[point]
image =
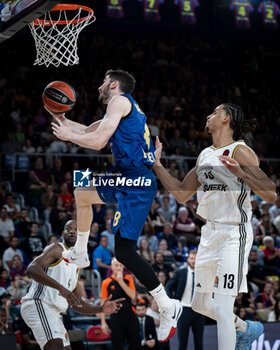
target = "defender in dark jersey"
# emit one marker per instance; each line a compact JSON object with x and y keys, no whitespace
{"x":130,"y":183}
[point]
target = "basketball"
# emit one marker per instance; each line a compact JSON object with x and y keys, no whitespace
{"x":59,"y":97}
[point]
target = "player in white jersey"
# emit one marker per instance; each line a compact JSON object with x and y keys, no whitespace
{"x":54,"y":287}
{"x":224,"y":175}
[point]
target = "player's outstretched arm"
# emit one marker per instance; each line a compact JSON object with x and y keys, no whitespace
{"x":182,"y":191}
{"x":118,"y":107}
{"x":108,"y":307}
{"x":36,"y":270}
{"x":245,"y":165}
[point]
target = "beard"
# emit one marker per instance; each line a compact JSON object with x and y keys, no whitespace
{"x":105,"y":96}
{"x":207,"y":129}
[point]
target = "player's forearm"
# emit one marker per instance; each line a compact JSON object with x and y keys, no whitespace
{"x":36,"y":272}
{"x":263,"y":188}
{"x":77,"y":127}
{"x":88,"y":309}
{"x":91,"y":140}
{"x":170,"y":183}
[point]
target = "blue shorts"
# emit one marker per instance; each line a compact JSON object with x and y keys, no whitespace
{"x":134,"y":192}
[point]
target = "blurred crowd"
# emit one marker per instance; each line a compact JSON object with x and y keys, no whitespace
{"x":187,"y":79}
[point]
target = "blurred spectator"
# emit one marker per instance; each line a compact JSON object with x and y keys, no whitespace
{"x":69,"y":180}
{"x":184,"y":226}
{"x":111,"y":237}
{"x":159,"y":265}
{"x":99,"y":214}
{"x":34,"y":244}
{"x":266,"y":299}
{"x":178,"y":142}
{"x":256,"y":273}
{"x":18,"y":268}
{"x":173,"y":169}
{"x":274,"y":315}
{"x":272,"y":254}
{"x":34,"y":189}
{"x":167,"y":254}
{"x":39,"y":170}
{"x":148,"y":233}
{"x":181,"y":253}
{"x":162,"y":278}
{"x":165,"y":213}
{"x":48,"y":201}
{"x":145,"y":251}
{"x":102,"y":257}
{"x":172,"y":200}
{"x":93,"y":239}
{"x":22,"y":224}
{"x":58,"y":216}
{"x":247,"y":301}
{"x":4,"y":279}
{"x":148,"y":335}
{"x":274,"y":210}
{"x":52,"y":239}
{"x":169,"y":236}
{"x":18,"y":135}
{"x":12,"y":208}
{"x":266,"y":228}
{"x":65,"y":195}
{"x":153,"y":217}
{"x":28,"y":148}
{"x":18,"y":288}
{"x":57,"y":173}
{"x":7,"y":228}
{"x":6,"y":326}
{"x":10,"y":252}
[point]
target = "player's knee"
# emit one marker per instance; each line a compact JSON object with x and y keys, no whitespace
{"x":54,"y":344}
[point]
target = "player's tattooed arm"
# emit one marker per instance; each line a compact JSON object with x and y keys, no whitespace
{"x":245,"y":165}
{"x":182,"y":191}
{"x":36,"y":270}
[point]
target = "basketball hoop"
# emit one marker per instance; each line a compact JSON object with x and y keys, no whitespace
{"x":56,"y":35}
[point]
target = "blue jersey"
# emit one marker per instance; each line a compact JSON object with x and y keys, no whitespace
{"x":131,"y":143}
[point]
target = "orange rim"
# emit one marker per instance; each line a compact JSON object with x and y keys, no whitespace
{"x":63,"y":7}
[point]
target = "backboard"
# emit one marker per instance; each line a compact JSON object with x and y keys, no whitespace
{"x":24,"y":12}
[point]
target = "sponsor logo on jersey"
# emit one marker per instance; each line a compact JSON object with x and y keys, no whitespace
{"x":215,"y":187}
{"x":216,"y":282}
{"x":226,"y":152}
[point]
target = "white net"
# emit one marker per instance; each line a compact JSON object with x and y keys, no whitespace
{"x":56,"y":39}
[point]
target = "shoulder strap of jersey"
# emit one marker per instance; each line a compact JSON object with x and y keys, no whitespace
{"x":131,"y":100}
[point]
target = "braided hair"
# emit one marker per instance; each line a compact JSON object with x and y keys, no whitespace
{"x":238,"y":123}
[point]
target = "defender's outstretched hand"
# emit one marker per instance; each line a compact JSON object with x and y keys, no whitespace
{"x":110,"y":307}
{"x":158,"y":151}
{"x":61,"y":131}
{"x":232,"y":165}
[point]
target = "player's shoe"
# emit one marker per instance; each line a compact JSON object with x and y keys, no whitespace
{"x":245,"y":340}
{"x":168,"y":321}
{"x":81,"y":259}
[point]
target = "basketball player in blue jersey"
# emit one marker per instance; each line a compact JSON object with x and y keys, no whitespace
{"x":223,"y":178}
{"x":124,"y":128}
